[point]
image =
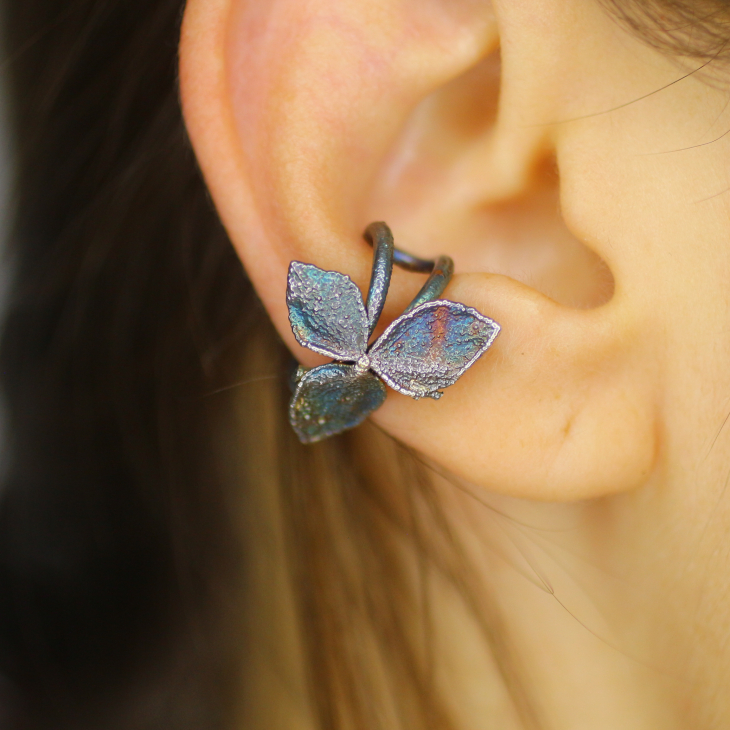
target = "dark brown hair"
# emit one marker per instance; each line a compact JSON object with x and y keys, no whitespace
{"x":124,"y":538}
{"x":689,"y":28}
{"x":126,"y":303}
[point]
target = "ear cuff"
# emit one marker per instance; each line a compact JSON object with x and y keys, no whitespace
{"x":428,"y":348}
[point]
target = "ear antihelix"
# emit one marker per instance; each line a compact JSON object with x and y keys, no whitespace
{"x":425,"y":350}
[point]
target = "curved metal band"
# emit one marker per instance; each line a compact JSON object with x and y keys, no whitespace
{"x":434,"y":287}
{"x":380,"y":237}
{"x":412,"y":263}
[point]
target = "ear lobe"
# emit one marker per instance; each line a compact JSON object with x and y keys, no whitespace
{"x":311,"y":118}
{"x":564,"y":406}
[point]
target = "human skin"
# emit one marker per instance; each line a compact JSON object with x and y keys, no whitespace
{"x":594,"y":230}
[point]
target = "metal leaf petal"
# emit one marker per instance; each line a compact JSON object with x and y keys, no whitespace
{"x":431,"y":347}
{"x":326,"y":312}
{"x":333,"y":398}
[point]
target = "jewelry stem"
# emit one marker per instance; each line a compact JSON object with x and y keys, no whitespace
{"x":378,"y":235}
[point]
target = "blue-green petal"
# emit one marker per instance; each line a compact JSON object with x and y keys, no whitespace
{"x":333,"y":398}
{"x":326,"y":312}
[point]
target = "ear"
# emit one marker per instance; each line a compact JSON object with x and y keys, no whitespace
{"x":312,"y":117}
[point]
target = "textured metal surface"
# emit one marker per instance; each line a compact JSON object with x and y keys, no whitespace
{"x":326,"y":312}
{"x":378,"y":235}
{"x":407,"y":262}
{"x":431,"y":347}
{"x":333,"y":398}
{"x":426,"y":349}
{"x":439,"y":279}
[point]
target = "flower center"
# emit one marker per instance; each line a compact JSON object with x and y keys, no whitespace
{"x":362,"y":364}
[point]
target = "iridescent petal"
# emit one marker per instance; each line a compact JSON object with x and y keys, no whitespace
{"x":431,"y":347}
{"x":326,"y":312}
{"x":333,"y":398}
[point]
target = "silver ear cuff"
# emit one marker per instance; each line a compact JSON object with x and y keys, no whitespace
{"x":428,"y":348}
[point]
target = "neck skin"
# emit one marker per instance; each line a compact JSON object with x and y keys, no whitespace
{"x":617,"y":609}
{"x":613,"y":612}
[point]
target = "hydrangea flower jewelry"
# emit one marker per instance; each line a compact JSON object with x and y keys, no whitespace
{"x":427,"y":348}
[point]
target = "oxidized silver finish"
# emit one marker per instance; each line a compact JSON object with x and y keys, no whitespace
{"x":333,"y":398}
{"x":440,"y":277}
{"x":431,"y":347}
{"x":326,"y":312}
{"x":426,"y":349}
{"x":381,"y":239}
